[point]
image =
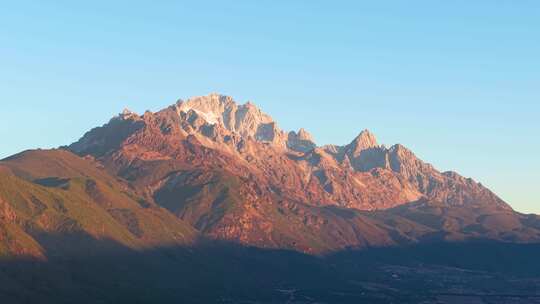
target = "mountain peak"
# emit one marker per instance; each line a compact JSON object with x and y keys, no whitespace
{"x":247,"y":120}
{"x":363,"y":141}
{"x":366,"y":138}
{"x":127,"y":114}
{"x":304,"y":135}
{"x":300,"y":141}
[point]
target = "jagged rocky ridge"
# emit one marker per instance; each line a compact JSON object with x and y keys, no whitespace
{"x":233,"y":174}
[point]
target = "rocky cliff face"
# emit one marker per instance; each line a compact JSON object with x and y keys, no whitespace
{"x":246,"y":120}
{"x":300,"y":141}
{"x":233,"y":174}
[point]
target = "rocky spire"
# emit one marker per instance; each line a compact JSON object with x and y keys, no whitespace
{"x":301,"y":141}
{"x":304,"y":135}
{"x":363,"y":141}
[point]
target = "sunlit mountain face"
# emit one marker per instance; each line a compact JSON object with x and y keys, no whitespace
{"x":210,"y":201}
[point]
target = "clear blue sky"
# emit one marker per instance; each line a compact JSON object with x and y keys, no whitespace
{"x":456,"y":81}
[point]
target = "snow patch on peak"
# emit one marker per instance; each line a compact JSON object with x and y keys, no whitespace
{"x":210,"y":117}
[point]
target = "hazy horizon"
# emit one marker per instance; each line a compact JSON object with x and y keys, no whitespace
{"x":460,"y":88}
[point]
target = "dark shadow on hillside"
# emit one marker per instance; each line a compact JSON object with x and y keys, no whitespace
{"x":103,"y":271}
{"x":53,"y":182}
